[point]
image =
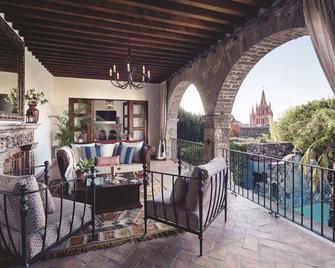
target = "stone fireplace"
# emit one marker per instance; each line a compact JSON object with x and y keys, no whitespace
{"x":17,"y":148}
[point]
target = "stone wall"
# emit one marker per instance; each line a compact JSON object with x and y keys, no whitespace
{"x":219,"y":72}
{"x":253,"y":132}
{"x":277,"y":149}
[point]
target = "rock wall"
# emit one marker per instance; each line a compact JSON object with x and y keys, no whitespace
{"x":253,"y":132}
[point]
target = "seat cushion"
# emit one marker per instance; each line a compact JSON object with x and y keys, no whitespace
{"x":203,"y":172}
{"x":174,"y":214}
{"x":35,"y":213}
{"x":47,"y":202}
{"x":179,"y":190}
{"x":35,"y":239}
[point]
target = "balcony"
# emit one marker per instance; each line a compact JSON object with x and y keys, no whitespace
{"x":251,"y":237}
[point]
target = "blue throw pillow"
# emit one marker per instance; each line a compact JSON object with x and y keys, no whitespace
{"x":89,"y":152}
{"x":126,"y":154}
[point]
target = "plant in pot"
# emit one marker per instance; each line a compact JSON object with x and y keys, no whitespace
{"x":84,"y":167}
{"x":33,"y":98}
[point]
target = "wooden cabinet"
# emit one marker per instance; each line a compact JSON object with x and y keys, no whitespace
{"x":82,"y":113}
{"x":135,"y":121}
{"x":131,"y":124}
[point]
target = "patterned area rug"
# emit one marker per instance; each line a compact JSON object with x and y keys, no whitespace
{"x":112,"y":229}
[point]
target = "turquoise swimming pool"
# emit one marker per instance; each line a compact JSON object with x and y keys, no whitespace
{"x":316,"y":212}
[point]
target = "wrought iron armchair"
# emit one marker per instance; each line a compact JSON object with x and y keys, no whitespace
{"x":27,"y":228}
{"x":209,"y":192}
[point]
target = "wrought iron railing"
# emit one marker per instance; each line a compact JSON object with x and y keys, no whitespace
{"x":298,"y":192}
{"x":191,"y":153}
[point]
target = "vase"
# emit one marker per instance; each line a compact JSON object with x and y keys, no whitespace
{"x":32,"y":113}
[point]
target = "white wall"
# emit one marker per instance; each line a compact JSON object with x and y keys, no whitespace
{"x":65,"y":88}
{"x":38,"y":77}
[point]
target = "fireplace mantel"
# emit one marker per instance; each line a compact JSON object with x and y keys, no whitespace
{"x":15,"y":137}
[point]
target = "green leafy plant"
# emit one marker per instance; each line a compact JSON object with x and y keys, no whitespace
{"x":85,"y":165}
{"x":311,"y":129}
{"x":34,"y":97}
{"x":66,"y":127}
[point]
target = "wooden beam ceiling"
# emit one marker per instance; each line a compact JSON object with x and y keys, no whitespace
{"x":83,"y":38}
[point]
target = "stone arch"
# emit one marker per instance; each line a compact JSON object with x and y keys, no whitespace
{"x":220,"y":71}
{"x":246,"y":62}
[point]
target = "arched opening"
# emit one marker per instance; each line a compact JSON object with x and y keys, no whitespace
{"x":185,"y":111}
{"x":190,"y":112}
{"x":286,"y":80}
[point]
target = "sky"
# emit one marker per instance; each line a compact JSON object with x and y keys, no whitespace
{"x":290,"y":75}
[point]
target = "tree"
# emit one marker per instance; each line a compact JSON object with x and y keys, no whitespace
{"x":190,"y":126}
{"x":311,"y":129}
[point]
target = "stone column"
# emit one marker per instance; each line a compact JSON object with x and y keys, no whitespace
{"x":171,"y":136}
{"x":216,"y":135}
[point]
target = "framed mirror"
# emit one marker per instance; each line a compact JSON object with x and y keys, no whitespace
{"x":11,"y":74}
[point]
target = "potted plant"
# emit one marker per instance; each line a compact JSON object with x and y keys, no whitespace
{"x":33,"y":98}
{"x":84,"y":167}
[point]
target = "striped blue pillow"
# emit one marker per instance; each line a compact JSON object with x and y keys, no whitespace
{"x":90,"y":152}
{"x":126,"y":154}
{"x":117,"y":149}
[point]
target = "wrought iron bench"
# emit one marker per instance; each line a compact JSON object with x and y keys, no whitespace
{"x":32,"y":221}
{"x":194,"y":200}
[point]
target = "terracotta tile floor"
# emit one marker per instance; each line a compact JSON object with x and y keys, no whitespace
{"x":250,"y":238}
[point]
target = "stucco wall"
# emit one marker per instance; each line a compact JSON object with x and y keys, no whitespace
{"x":38,"y":77}
{"x":65,"y":88}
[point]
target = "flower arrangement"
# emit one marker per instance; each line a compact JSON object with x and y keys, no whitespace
{"x":34,"y":97}
{"x":12,"y":96}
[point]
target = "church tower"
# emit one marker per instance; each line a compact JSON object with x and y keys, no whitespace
{"x":263,"y":114}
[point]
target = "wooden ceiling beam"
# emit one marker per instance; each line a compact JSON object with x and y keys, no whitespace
{"x":255,"y":3}
{"x":106,"y":54}
{"x":108,"y":24}
{"x":28,"y":31}
{"x":177,"y":9}
{"x":66,"y":26}
{"x":38,"y":10}
{"x":76,"y":44}
{"x":228,"y":7}
{"x":93,"y":76}
{"x":106,"y":64}
{"x":155,"y":10}
{"x":110,"y":58}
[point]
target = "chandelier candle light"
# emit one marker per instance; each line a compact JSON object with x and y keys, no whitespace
{"x":131,"y":69}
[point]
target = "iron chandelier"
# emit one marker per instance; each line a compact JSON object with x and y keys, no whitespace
{"x":131,"y":71}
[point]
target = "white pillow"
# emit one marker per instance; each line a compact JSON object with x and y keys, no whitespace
{"x":106,"y":150}
{"x":76,"y":148}
{"x":138,"y":148}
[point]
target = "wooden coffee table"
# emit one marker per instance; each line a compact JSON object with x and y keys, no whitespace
{"x":113,"y":196}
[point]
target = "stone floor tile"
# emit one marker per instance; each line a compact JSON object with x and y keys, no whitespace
{"x":135,"y":257}
{"x":114,"y":254}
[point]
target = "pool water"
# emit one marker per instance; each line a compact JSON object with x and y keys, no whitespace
{"x":316,"y":212}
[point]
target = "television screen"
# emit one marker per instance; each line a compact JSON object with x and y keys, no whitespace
{"x":105,"y":115}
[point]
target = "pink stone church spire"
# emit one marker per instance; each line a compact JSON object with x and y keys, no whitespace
{"x":263,"y":114}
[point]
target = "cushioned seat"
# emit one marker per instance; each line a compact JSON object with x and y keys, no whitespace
{"x":35,"y":239}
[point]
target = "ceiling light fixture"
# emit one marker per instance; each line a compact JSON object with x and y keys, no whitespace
{"x":114,"y":75}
